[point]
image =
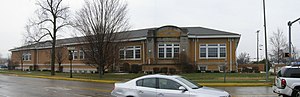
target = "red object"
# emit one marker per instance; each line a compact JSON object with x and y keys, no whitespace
{"x":283,"y":83}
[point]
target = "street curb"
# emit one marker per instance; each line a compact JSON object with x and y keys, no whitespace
{"x":112,"y":82}
{"x":236,"y":84}
{"x":71,"y":79}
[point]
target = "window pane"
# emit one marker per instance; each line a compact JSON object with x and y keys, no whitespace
{"x":122,"y":54}
{"x":169,"y":53}
{"x":222,"y":68}
{"x":202,"y":52}
{"x":161,"y":52}
{"x":176,"y":44}
{"x":212,"y":44}
{"x":75,"y":55}
{"x":129,"y":53}
{"x":138,"y":53}
{"x":222,"y":45}
{"x":169,"y":44}
{"x":212,"y":52}
{"x":129,"y":47}
{"x":222,"y":52}
{"x":176,"y":52}
{"x":203,"y":45}
{"x":150,"y":82}
{"x":202,"y":68}
{"x":168,"y":84}
{"x":81,"y":54}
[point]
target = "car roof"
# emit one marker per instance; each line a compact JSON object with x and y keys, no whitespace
{"x":160,"y":76}
{"x":291,"y":66}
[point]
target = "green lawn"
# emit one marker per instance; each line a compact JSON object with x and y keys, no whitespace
{"x":197,"y":77}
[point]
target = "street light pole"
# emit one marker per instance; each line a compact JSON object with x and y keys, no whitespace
{"x":71,"y":51}
{"x":266,"y":45}
{"x":70,"y":59}
{"x":290,"y":23}
{"x":257,"y":55}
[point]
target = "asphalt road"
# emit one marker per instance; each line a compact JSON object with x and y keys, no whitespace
{"x":13,"y":86}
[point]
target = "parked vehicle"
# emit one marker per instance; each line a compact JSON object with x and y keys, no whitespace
{"x":287,"y":81}
{"x":3,"y":67}
{"x":164,"y":86}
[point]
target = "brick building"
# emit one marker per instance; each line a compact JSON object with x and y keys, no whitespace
{"x":150,"y":49}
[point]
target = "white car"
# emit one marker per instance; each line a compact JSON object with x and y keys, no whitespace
{"x":164,"y":86}
{"x":287,"y":82}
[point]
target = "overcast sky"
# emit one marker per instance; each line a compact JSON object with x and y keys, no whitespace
{"x":239,"y":16}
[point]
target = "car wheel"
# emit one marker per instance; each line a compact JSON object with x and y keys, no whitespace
{"x":285,"y":96}
{"x":296,"y":93}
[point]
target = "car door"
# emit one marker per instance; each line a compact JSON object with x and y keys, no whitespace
{"x":170,"y":88}
{"x":146,"y":87}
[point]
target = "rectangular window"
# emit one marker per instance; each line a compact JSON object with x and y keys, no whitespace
{"x":26,"y":56}
{"x":122,"y":54}
{"x":202,"y":68}
{"x":161,"y":52}
{"x":81,"y":54}
{"x":176,"y":52}
{"x":137,"y":52}
{"x":222,"y":67}
{"x":203,"y":52}
{"x":222,"y":52}
{"x":75,"y":55}
{"x":130,"y":52}
{"x":212,"y":50}
{"x":168,"y":50}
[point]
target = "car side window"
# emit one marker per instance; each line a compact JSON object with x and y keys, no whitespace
{"x":147,"y":82}
{"x":279,"y":74}
{"x":139,"y":82}
{"x":168,"y":84}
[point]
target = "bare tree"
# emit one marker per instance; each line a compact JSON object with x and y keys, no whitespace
{"x":60,"y":57}
{"x":99,"y":21}
{"x":279,"y":46}
{"x":243,"y":58}
{"x":295,"y":53}
{"x":19,"y":60}
{"x":52,"y":16}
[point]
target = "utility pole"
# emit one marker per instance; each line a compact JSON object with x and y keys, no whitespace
{"x":290,"y":23}
{"x":257,"y":55}
{"x":266,"y":45}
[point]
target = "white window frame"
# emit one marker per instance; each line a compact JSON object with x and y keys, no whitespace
{"x":134,"y":48}
{"x":218,"y":46}
{"x":75,"y":53}
{"x":165,"y":46}
{"x":26,"y":56}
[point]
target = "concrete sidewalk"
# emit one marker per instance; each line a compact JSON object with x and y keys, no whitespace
{"x":112,"y":81}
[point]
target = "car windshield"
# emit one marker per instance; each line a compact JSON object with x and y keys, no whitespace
{"x":189,"y":83}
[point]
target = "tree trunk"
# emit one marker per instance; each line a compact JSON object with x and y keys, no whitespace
{"x":100,"y":71}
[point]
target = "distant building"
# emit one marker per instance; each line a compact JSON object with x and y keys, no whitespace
{"x":153,"y":49}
